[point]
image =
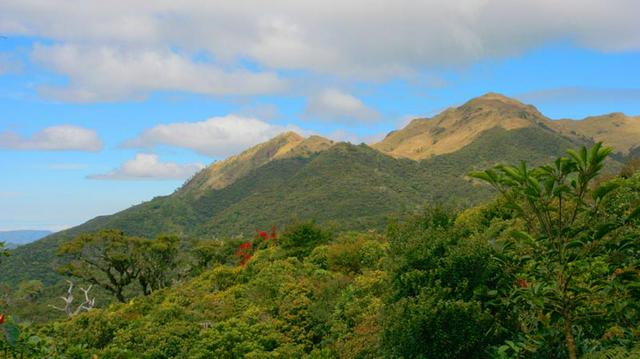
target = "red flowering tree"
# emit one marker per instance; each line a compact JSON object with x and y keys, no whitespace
{"x":245,"y":252}
{"x":267,"y":236}
{"x":247,"y":249}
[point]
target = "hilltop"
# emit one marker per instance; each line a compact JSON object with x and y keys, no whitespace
{"x":285,"y":145}
{"x":618,"y":130}
{"x":457,"y":127}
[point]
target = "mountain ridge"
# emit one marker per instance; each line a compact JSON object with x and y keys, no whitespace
{"x":220,"y":174}
{"x":456,"y":127}
{"x":292,"y":178}
{"x":615,"y":129}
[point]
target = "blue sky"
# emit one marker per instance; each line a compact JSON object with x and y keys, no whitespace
{"x":104,"y":105}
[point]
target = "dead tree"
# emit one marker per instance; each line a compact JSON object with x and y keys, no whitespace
{"x":86,"y":305}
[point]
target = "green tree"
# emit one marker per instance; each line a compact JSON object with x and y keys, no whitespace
{"x":113,"y":261}
{"x":30,"y":290}
{"x":206,"y":252}
{"x":108,"y":259}
{"x":155,"y":260}
{"x":299,"y":239}
{"x":565,"y":278}
{"x":440,"y":302}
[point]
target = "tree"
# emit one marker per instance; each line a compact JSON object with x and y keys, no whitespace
{"x":300,"y":239}
{"x":439,"y":305}
{"x":565,"y":274}
{"x":108,"y":259}
{"x":84,"y":306}
{"x":113,"y":261}
{"x":208,"y":251}
{"x":155,"y":260}
{"x":30,"y":290}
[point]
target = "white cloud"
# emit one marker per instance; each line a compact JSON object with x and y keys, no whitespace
{"x":149,"y":166}
{"x":216,"y":137}
{"x":333,"y":104}
{"x":55,"y":138}
{"x":147,"y":46}
{"x":111,"y":74}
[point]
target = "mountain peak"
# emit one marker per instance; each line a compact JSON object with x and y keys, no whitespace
{"x":457,"y":127}
{"x":222,"y":173}
{"x":289,"y":136}
{"x":495,"y":96}
{"x":498,"y":100}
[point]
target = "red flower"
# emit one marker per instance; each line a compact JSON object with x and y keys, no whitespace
{"x":263,"y":235}
{"x":244,"y":252}
{"x":522,"y":283}
{"x":273,"y":232}
{"x":245,"y":258}
{"x":1,"y":319}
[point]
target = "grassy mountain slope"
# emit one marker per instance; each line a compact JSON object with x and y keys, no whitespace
{"x":616,"y":129}
{"x":457,"y":127}
{"x":355,"y":187}
{"x":223,"y":173}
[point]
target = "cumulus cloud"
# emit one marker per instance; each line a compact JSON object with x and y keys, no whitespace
{"x":216,"y":137}
{"x":109,"y":74}
{"x":55,"y":138}
{"x":357,"y":38}
{"x":333,"y":104}
{"x":149,"y":166}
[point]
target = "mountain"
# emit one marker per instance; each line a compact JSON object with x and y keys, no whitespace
{"x":457,"y":127}
{"x":223,"y":173}
{"x":615,"y":129}
{"x":13,"y":239}
{"x":293,"y":178}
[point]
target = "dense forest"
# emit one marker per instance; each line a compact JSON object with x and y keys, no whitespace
{"x":546,"y":269}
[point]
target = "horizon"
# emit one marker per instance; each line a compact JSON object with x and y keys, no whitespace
{"x":105,"y":106}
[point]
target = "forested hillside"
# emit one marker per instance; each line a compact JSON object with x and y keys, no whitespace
{"x":352,"y":187}
{"x":547,"y":269}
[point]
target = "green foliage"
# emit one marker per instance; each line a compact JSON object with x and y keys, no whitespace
{"x":274,"y":306}
{"x":298,"y":240}
{"x":442,"y":281}
{"x":208,"y":251}
{"x":107,"y":258}
{"x":156,"y":259}
{"x":113,"y":261}
{"x":30,"y":290}
{"x":564,"y":260}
